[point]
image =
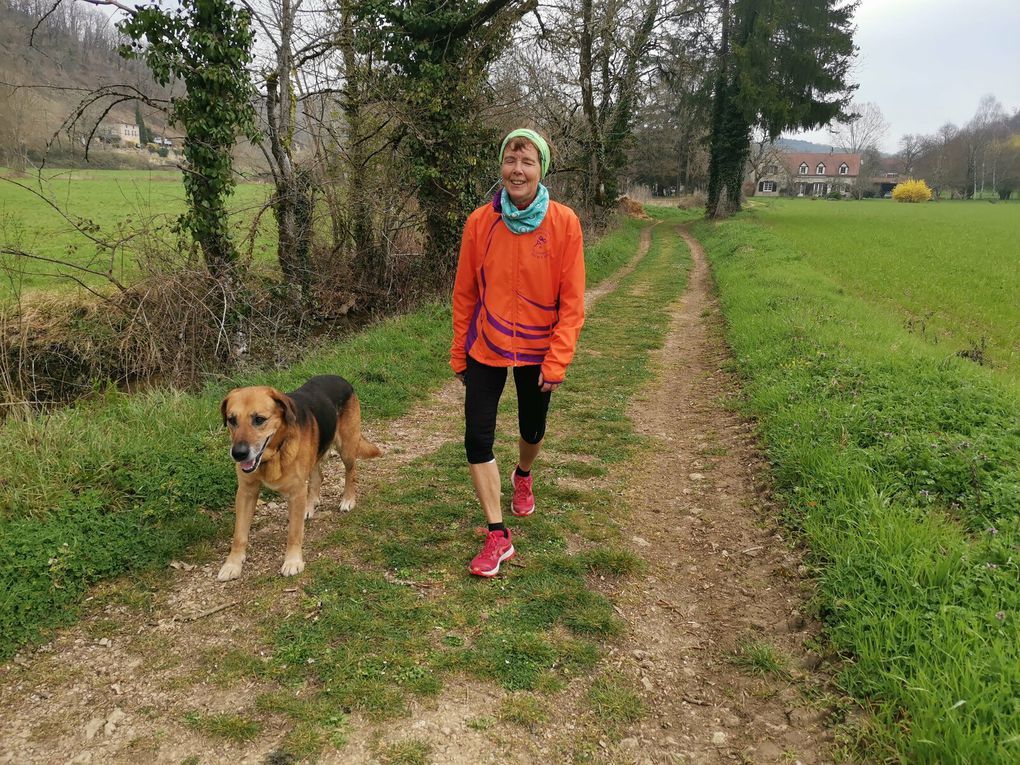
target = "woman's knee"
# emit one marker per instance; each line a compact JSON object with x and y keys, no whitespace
{"x":478,"y":448}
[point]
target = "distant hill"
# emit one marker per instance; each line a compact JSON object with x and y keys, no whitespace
{"x":795,"y":144}
{"x":43,"y":82}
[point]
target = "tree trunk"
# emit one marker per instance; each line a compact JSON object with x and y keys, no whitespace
{"x":292,"y":204}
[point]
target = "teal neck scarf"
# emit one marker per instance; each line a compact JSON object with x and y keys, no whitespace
{"x":526,"y":220}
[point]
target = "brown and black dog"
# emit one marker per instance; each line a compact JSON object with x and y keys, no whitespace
{"x":279,"y":440}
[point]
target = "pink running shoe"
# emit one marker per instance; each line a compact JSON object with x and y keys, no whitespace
{"x":498,"y":548}
{"x":523,"y":502}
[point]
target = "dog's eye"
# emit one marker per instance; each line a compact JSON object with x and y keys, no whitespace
{"x":232,"y":421}
{"x":258,"y":419}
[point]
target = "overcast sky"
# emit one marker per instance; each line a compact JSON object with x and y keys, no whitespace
{"x":927,"y":62}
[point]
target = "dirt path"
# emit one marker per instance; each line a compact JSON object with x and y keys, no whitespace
{"x":721,"y":574}
{"x":114,"y":688}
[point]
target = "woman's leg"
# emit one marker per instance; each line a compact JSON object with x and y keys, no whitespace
{"x":484,"y":386}
{"x":532,"y":410}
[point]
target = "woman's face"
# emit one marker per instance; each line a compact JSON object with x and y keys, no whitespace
{"x":521,"y":170}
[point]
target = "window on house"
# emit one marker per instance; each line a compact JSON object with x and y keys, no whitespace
{"x":772,"y":170}
{"x":768,"y":185}
{"x":820,"y":170}
{"x":803,"y":168}
{"x":843,"y":169}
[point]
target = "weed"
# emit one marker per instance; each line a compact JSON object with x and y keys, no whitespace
{"x":524,"y":710}
{"x":407,"y":752}
{"x":760,"y":657}
{"x":615,"y":701}
{"x":231,"y":727}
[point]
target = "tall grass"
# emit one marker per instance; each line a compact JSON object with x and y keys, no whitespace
{"x":898,"y":462}
{"x":124,"y":482}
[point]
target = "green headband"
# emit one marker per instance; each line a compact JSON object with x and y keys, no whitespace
{"x":535,"y":138}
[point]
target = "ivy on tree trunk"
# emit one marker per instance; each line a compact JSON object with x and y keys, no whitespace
{"x":207,"y":45}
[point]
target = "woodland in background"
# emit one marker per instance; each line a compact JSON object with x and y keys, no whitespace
{"x":375,"y":123}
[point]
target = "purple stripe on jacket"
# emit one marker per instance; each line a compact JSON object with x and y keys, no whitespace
{"x":499,"y":326}
{"x":537,"y":305}
{"x":529,"y":358}
{"x":472,"y":333}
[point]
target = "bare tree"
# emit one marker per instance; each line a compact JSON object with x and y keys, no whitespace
{"x":911,"y":147}
{"x":763,"y":155}
{"x":864,"y":132}
{"x":984,"y":130}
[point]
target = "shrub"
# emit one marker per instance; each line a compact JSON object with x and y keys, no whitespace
{"x":693,"y":201}
{"x":911,"y":191}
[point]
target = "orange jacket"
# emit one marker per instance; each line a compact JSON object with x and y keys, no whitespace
{"x":519,"y":298}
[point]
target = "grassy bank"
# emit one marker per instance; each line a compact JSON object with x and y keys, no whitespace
{"x":126,"y":482}
{"x":898,"y":462}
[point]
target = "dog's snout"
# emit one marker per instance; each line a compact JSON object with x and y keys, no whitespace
{"x":240,"y":452}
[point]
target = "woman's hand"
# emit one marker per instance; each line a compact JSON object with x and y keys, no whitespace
{"x":546,"y":387}
{"x":460,"y":376}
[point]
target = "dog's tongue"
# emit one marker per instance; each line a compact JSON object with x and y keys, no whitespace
{"x":248,"y":465}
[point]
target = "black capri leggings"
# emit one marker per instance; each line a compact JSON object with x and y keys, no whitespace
{"x":481,"y":400}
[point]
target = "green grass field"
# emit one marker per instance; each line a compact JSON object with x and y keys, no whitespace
{"x":113,"y":204}
{"x":895,"y":458}
{"x":950,"y":270}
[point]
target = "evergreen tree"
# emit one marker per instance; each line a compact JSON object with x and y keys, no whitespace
{"x":143,"y":132}
{"x":782,"y":64}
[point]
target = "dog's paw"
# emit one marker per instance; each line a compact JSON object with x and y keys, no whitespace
{"x":229,"y":571}
{"x":348,"y":504}
{"x":310,"y":512}
{"x":292,"y":567}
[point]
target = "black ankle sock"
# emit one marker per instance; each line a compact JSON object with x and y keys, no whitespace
{"x":522,"y":473}
{"x":498,"y":527}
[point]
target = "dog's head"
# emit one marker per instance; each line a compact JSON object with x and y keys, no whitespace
{"x":254,"y":415}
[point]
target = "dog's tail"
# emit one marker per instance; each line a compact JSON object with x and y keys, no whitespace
{"x":367,"y":450}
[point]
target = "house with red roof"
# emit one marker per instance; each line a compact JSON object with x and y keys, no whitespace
{"x":808,"y":174}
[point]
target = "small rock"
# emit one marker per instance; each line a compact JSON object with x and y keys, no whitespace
{"x":105,"y":642}
{"x":696,"y":476}
{"x":92,"y":727}
{"x":445,"y":731}
{"x":629,"y":743}
{"x":718,"y":738}
{"x":641,"y":542}
{"x":768,"y":751}
{"x":638,"y":654}
{"x":116,"y":716}
{"x":82,"y":759}
{"x":647,"y":684}
{"x":811,"y":661}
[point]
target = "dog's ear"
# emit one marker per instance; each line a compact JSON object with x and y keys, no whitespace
{"x":223,"y":406}
{"x":286,"y":404}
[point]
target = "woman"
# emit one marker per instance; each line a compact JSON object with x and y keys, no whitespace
{"x":518,"y":302}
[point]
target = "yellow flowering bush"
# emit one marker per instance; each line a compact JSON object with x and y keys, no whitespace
{"x":911,"y":191}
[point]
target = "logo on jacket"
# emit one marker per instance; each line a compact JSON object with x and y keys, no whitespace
{"x":541,"y":247}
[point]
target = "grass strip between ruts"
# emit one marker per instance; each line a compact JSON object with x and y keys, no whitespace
{"x":123,"y":483}
{"x":899,"y":463}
